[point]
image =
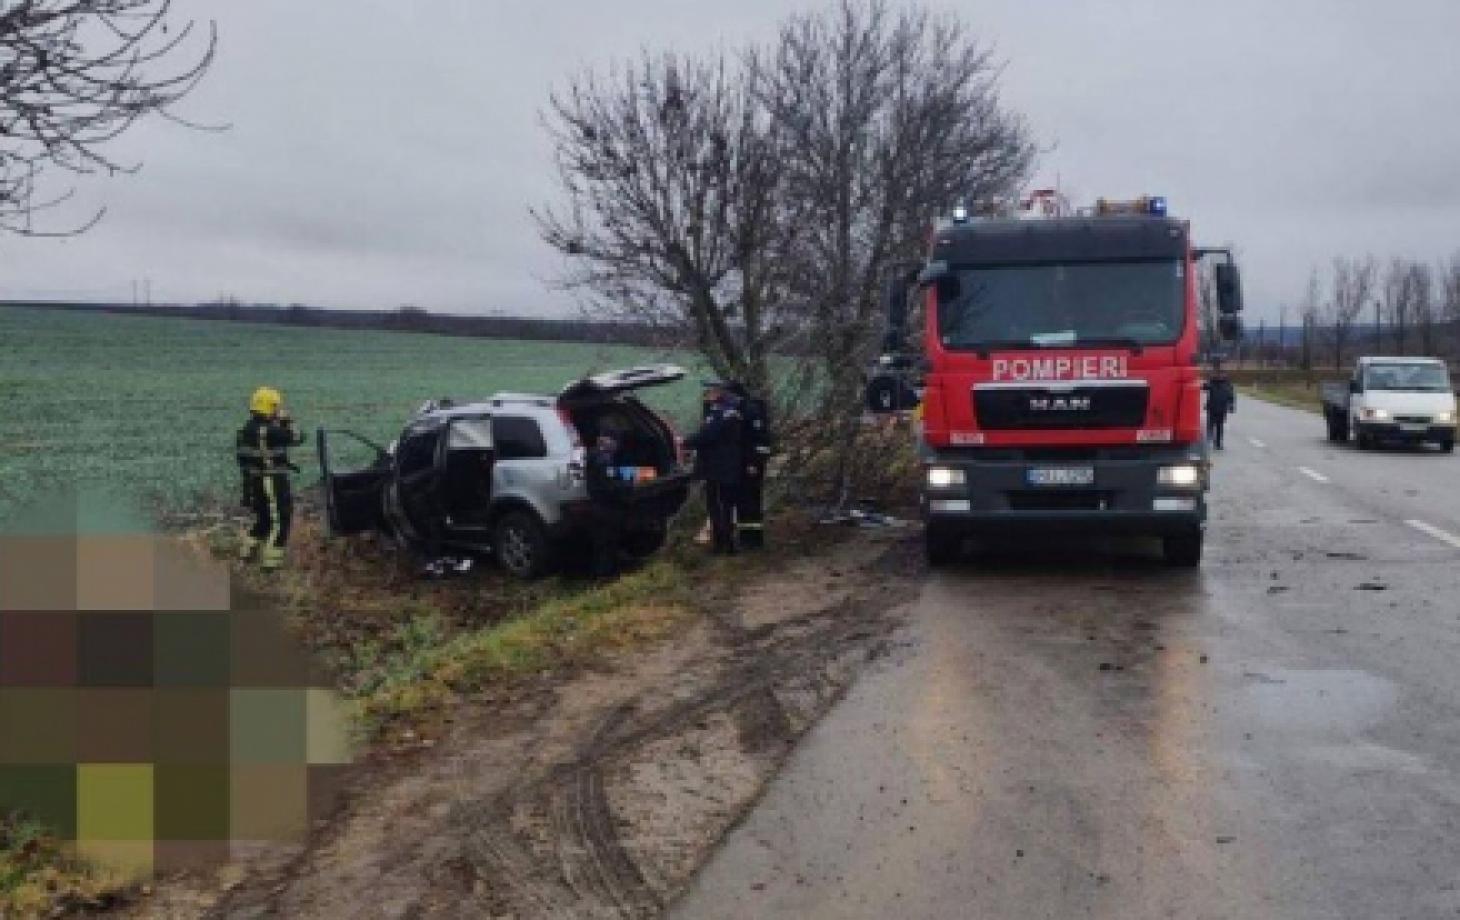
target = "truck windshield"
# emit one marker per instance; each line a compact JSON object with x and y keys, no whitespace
{"x":1425,"y":378}
{"x":1063,"y":305}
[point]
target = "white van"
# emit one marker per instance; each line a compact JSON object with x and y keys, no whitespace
{"x":1393,"y":399}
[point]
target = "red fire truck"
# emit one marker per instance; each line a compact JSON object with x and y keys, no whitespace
{"x":1056,"y":362}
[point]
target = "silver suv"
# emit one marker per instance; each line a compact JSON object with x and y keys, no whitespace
{"x":506,"y":475}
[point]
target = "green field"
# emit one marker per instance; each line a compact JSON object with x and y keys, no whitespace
{"x":147,"y":406}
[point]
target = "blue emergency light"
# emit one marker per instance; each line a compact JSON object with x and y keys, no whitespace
{"x":1157,"y":205}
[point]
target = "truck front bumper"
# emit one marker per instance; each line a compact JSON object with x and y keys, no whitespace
{"x":998,"y":492}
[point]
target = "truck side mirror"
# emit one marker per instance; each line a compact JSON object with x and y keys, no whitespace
{"x":1229,"y":327}
{"x":1229,"y":288}
{"x":1355,"y":386}
{"x":890,"y":391}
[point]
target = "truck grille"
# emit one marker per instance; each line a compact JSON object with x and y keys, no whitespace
{"x":1059,"y":500}
{"x":999,"y":408}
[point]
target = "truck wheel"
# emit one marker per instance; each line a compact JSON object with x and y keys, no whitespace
{"x":1182,"y":551}
{"x":521,"y":545}
{"x":941,"y":548}
{"x":1363,"y":441}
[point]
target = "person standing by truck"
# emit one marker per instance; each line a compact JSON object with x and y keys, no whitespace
{"x":262,"y":449}
{"x":1221,"y":402}
{"x":719,"y":461}
{"x":756,"y":447}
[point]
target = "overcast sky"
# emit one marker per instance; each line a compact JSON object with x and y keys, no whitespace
{"x":380,"y":155}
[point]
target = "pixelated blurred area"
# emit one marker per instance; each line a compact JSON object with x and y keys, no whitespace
{"x":152,"y":716}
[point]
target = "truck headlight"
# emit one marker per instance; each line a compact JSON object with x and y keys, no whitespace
{"x":1374,"y":415}
{"x":941,"y":477}
{"x":1183,"y":476}
{"x":1445,"y":418}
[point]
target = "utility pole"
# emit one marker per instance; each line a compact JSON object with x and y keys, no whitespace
{"x":1378,"y":326}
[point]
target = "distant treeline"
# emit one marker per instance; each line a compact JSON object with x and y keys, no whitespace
{"x":405,"y":319}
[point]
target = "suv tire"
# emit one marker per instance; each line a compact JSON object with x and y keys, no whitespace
{"x":1447,"y":446}
{"x":1183,"y":551}
{"x":941,"y":548}
{"x":639,"y":545}
{"x":521,"y":545}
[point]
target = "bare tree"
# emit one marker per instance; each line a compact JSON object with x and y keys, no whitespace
{"x":1422,"y":305}
{"x":1309,"y":311}
{"x":1353,"y":286}
{"x":674,"y":213}
{"x":1206,"y":295}
{"x":75,"y":75}
{"x":1399,"y":290}
{"x":1449,"y":299}
{"x":885,"y":120}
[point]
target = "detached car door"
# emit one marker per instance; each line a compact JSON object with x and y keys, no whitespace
{"x":353,"y":496}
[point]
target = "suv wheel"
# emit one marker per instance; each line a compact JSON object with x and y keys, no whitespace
{"x":1447,"y":446}
{"x":641,"y":544}
{"x":941,"y":548}
{"x":521,"y":544}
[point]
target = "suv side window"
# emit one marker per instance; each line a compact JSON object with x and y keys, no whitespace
{"x":417,"y":453}
{"x":517,"y":438}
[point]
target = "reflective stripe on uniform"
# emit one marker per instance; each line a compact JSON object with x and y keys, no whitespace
{"x":272,"y":540}
{"x":263,"y":448}
{"x":751,"y":525}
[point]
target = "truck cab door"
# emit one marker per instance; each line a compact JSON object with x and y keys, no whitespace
{"x":353,"y":493}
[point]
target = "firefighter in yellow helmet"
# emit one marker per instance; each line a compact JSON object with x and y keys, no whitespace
{"x":263,"y":460}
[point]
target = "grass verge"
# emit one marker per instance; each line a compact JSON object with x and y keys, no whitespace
{"x":39,"y":877}
{"x":1294,"y":395}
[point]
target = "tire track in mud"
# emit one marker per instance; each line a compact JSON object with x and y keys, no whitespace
{"x":595,"y":875}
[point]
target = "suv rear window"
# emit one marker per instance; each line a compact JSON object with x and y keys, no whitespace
{"x":517,"y":438}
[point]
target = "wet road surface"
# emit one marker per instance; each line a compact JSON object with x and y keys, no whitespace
{"x":1077,"y":732}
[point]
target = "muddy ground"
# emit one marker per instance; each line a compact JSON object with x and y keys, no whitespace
{"x":595,"y":794}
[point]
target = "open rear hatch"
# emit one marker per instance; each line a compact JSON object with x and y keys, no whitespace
{"x":589,"y":400}
{"x":614,"y":383}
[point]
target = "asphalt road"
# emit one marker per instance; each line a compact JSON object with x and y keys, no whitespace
{"x":1073,"y":731}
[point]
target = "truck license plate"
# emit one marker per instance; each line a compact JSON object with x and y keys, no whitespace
{"x":1061,"y":476}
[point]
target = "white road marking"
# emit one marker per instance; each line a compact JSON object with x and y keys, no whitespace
{"x":1312,"y":474}
{"x":1256,"y":443}
{"x":1444,"y":536}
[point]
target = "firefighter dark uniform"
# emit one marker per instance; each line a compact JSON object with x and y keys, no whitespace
{"x":608,"y":493}
{"x":719,"y":461}
{"x":1221,"y":400}
{"x":756,"y":450}
{"x":262,"y":448}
